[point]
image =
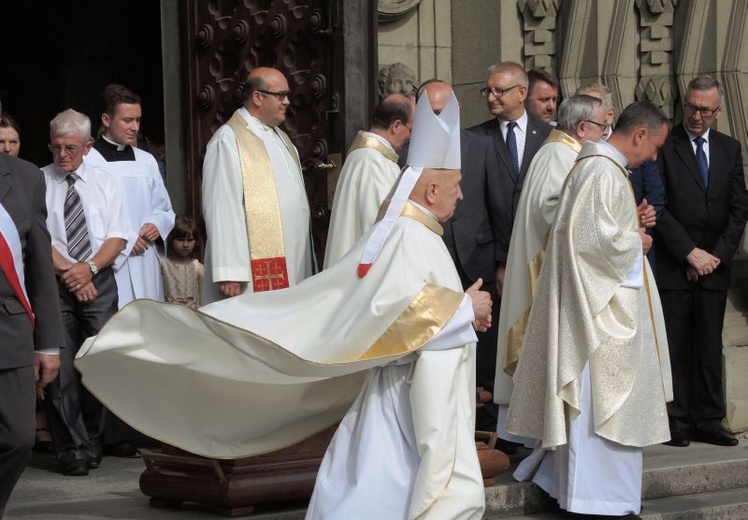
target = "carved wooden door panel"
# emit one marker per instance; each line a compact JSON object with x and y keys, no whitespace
{"x":304,"y":39}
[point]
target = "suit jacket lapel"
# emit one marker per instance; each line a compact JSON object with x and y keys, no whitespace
{"x":683,"y":148}
{"x":494,"y":130}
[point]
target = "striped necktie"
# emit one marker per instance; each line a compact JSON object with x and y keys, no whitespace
{"x":79,"y":245}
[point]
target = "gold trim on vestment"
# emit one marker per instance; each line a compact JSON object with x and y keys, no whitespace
{"x":411,"y":211}
{"x":557,"y":136}
{"x":261,"y":206}
{"x":516,"y":333}
{"x":364,"y":141}
{"x":426,"y":315}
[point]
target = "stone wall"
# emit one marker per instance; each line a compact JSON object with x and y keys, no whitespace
{"x":641,"y":49}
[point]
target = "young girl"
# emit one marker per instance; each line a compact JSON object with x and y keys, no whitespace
{"x":182,"y":271}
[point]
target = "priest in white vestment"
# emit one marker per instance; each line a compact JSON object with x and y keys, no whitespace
{"x":255,"y":206}
{"x":580,"y":118}
{"x":369,"y":172}
{"x":383,"y":340}
{"x":592,"y":380}
{"x":147,"y":205}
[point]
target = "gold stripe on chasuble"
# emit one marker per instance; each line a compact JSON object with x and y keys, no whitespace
{"x":266,"y":250}
{"x":363,"y":141}
{"x":412,"y":212}
{"x":516,"y":334}
{"x":426,"y":315}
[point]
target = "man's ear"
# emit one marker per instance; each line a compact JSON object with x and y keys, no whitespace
{"x":105,"y":120}
{"x":431,"y":190}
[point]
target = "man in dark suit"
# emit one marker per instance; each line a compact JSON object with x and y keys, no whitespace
{"x":30,"y":320}
{"x":505,"y":93}
{"x":516,"y":137}
{"x":697,"y":235}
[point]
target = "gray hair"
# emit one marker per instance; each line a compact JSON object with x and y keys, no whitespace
{"x":707,"y":82}
{"x":575,"y":109}
{"x":599,"y":91}
{"x":512,"y":67}
{"x":71,"y":121}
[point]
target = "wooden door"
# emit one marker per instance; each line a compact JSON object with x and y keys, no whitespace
{"x":326,"y":49}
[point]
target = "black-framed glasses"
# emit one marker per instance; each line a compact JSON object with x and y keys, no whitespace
{"x":497,"y":92}
{"x":603,"y":127}
{"x":283,"y":94}
{"x":705,"y":112}
{"x":67,"y":149}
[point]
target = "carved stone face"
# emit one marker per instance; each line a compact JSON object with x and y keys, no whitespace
{"x":396,"y":78}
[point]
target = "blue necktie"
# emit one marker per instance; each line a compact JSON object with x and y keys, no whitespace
{"x":511,"y":147}
{"x":701,"y":159}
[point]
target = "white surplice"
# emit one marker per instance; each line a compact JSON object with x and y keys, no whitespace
{"x":293,"y":361}
{"x":227,"y":241}
{"x":145,"y":200}
{"x":365,"y":181}
{"x":593,"y":311}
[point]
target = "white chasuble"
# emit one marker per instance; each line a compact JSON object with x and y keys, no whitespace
{"x":535,"y":214}
{"x":594,"y":369}
{"x":267,"y":370}
{"x":368,"y":174}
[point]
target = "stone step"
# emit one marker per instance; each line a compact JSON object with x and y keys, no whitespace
{"x":669,"y":472}
{"x":717,"y":505}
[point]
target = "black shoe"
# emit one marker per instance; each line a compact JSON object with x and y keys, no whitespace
{"x":93,"y":462}
{"x":123,"y":449}
{"x":678,"y":438}
{"x":43,"y":446}
{"x":75,"y":468}
{"x":717,"y":437}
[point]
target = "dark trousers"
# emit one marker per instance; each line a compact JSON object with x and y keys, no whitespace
{"x":77,"y":417}
{"x":694,"y":320}
{"x":17,"y":424}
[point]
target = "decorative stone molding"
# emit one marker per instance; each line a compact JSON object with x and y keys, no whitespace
{"x":539,"y":25}
{"x":656,"y":82}
{"x":389,"y":10}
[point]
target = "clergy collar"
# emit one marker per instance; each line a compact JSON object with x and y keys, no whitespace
{"x":617,"y":155}
{"x":116,"y":146}
{"x":255,"y":122}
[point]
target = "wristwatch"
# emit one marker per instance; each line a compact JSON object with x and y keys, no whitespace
{"x":94,"y":267}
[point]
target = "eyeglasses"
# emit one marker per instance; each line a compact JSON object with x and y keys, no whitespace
{"x":67,"y":149}
{"x":280,"y":95}
{"x":705,"y":112}
{"x":497,"y":92}
{"x":603,"y":127}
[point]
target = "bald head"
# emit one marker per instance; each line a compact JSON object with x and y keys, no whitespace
{"x":438,"y":191}
{"x":438,"y":93}
{"x":266,"y":95}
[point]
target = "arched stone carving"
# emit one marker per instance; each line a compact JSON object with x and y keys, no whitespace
{"x":396,"y":78}
{"x":388,"y":10}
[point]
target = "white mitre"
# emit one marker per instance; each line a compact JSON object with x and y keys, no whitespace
{"x":434,"y":143}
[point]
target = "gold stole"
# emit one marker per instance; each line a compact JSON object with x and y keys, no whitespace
{"x":264,"y":229}
{"x":363,"y":141}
